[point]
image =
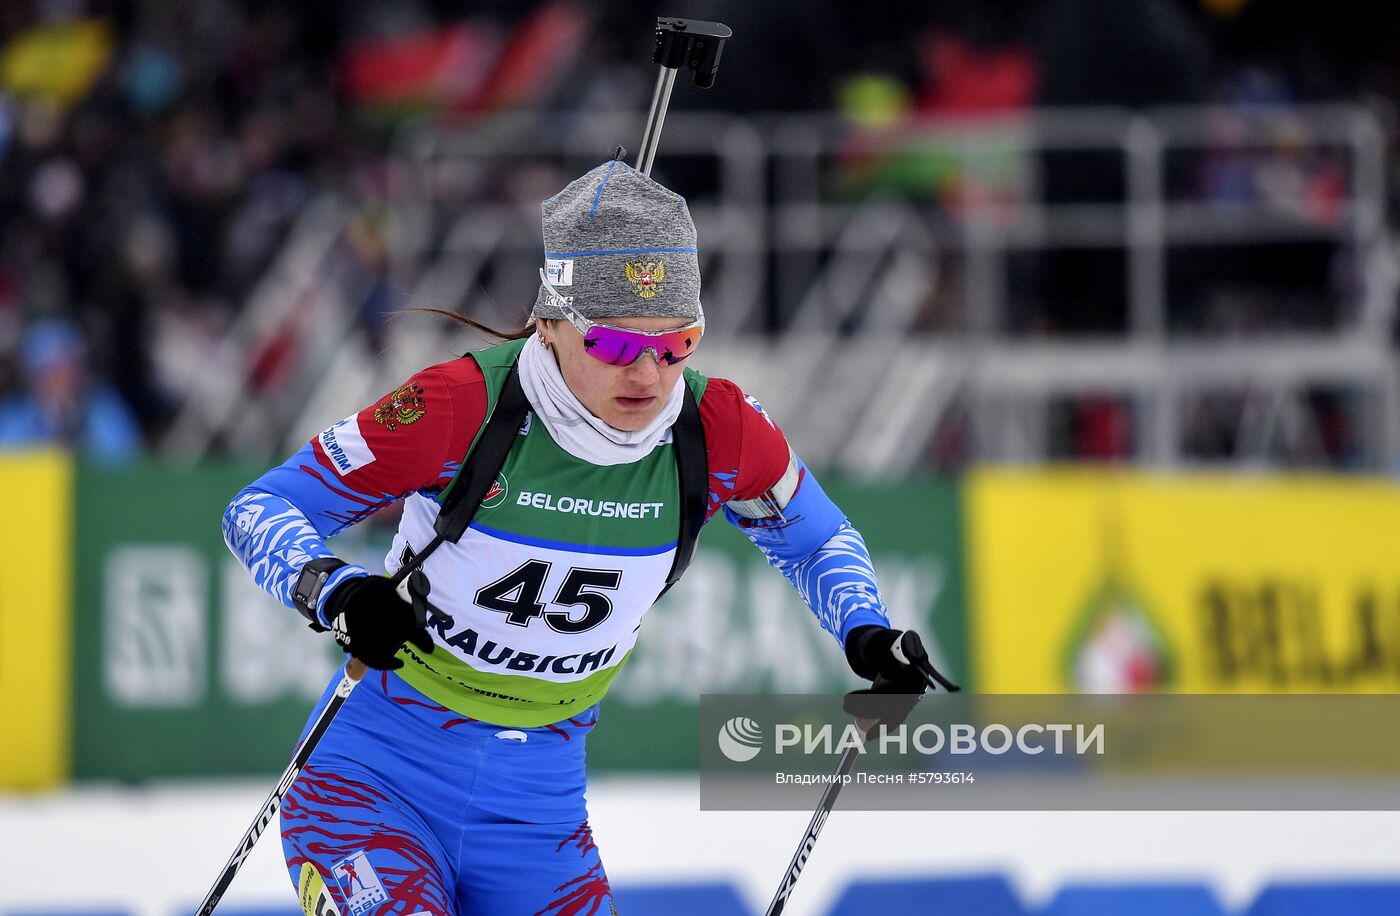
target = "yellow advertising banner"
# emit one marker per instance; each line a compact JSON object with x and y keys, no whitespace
{"x":36,"y":550}
{"x":1093,"y":581}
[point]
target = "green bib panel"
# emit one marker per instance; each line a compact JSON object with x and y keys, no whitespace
{"x":542,"y":597}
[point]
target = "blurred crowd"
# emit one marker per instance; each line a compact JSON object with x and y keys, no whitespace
{"x":153,"y":155}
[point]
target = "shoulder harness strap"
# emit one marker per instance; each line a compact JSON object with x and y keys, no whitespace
{"x":692,"y":467}
{"x":486,"y":460}
{"x":473,"y":480}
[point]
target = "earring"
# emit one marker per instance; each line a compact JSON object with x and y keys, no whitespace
{"x":543,"y":344}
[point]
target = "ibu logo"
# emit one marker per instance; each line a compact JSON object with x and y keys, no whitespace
{"x":560,"y":271}
{"x":362,"y":888}
{"x":740,"y":739}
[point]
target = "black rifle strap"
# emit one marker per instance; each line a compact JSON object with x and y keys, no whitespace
{"x":485,"y":461}
{"x":478,"y":473}
{"x":692,"y":467}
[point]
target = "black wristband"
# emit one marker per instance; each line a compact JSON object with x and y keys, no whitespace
{"x":306,"y":596}
{"x":860,"y":642}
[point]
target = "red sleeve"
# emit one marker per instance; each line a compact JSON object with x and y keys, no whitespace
{"x":411,"y":439}
{"x":747,"y":451}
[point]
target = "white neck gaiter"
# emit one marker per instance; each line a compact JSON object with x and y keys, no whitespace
{"x":574,"y":428}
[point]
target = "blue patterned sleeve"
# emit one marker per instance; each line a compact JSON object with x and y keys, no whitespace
{"x":407,"y":442}
{"x":810,"y":542}
{"x":280,"y":521}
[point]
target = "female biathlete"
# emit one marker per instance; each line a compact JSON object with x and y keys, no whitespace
{"x":452,"y":781}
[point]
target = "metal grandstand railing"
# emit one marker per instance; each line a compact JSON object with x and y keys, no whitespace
{"x":877,"y":324}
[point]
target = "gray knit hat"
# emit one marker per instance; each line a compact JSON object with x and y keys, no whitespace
{"x":618,"y":244}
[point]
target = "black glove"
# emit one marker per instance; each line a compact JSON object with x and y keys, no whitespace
{"x":371,"y":622}
{"x":898,"y":663}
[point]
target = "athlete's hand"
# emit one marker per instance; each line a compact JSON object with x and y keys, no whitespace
{"x":897,"y":662}
{"x":371,"y":622}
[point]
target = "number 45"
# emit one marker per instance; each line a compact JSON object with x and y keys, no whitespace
{"x":517,"y":595}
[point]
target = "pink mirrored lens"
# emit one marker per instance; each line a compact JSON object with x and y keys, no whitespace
{"x":621,"y":348}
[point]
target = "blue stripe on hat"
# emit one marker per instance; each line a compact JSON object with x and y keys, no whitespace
{"x":593,"y":210}
{"x":584,"y":254}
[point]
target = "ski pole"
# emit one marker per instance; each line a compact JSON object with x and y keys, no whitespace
{"x":920,"y":660}
{"x":354,"y":670}
{"x":412,"y":589}
{"x":679,"y":43}
{"x":814,"y":827}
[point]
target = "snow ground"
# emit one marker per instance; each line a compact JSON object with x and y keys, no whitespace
{"x":152,"y":851}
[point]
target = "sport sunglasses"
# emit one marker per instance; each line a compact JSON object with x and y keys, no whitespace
{"x":623,"y":346}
